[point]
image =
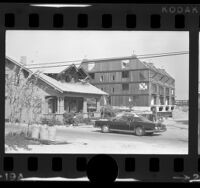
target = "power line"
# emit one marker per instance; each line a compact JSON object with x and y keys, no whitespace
{"x":109,"y":58}
{"x":55,"y":62}
{"x":145,"y":57}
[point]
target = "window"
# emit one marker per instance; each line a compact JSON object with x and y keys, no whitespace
{"x":16,"y":79}
{"x":113,"y":90}
{"x":113,"y":77}
{"x":67,"y":78}
{"x":161,"y":90}
{"x":91,"y":104}
{"x":125,"y":87}
{"x":154,"y":88}
{"x":91,"y":66}
{"x":141,"y":118}
{"x":101,"y":79}
{"x":92,"y":75}
{"x":125,"y":74}
{"x":172,"y":92}
{"x":173,"y":100}
{"x":142,"y":76}
{"x":167,"y":91}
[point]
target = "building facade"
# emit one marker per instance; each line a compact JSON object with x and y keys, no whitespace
{"x":131,"y":82}
{"x":66,"y":90}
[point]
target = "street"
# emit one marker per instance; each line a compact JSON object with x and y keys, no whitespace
{"x":87,"y":139}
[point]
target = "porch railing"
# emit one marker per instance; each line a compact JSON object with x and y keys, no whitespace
{"x":89,"y":115}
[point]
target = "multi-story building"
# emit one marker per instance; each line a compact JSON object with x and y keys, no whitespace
{"x":130,"y":81}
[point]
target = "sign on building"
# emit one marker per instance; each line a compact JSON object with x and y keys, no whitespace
{"x":125,"y":63}
{"x":143,"y":86}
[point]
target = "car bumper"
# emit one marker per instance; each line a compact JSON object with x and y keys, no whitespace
{"x":156,"y":130}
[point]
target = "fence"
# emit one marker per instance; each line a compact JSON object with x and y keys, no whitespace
{"x":182,"y":102}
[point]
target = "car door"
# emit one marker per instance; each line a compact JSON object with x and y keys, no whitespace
{"x":120,"y":123}
{"x":132,"y":123}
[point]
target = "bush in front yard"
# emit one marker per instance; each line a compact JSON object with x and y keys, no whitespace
{"x":50,"y":121}
{"x":44,"y":120}
{"x":78,"y":118}
{"x":87,"y":121}
{"x":68,"y":118}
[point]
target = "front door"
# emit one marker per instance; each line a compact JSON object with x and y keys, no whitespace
{"x":73,"y":104}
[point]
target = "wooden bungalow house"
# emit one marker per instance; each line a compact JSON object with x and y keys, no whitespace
{"x":131,"y":82}
{"x":62,"y":89}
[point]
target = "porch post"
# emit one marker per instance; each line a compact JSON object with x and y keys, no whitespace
{"x":85,"y":108}
{"x":61,"y":105}
{"x":170,"y":96}
{"x":164,"y":96}
{"x":58,"y":105}
{"x":157,"y":99}
{"x":98,"y":104}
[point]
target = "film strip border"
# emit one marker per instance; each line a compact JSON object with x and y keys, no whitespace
{"x":58,"y":21}
{"x":100,"y":167}
{"x":99,"y":16}
{"x":128,"y":17}
{"x":83,"y":22}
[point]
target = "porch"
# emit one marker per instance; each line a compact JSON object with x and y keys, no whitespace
{"x":54,"y":105}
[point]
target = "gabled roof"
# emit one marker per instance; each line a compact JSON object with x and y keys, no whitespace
{"x":19,"y":64}
{"x":78,"y":87}
{"x":54,"y":68}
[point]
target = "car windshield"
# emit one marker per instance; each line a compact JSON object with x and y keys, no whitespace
{"x":141,"y":118}
{"x":120,"y":114}
{"x":136,"y":116}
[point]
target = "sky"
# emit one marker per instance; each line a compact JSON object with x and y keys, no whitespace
{"x":58,"y":46}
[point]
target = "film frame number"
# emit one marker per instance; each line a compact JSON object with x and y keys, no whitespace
{"x":12,"y":176}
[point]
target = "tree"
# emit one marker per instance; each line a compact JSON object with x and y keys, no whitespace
{"x":22,"y":94}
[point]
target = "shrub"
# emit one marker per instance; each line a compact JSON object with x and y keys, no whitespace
{"x":44,"y":120}
{"x":87,"y":120}
{"x":50,"y":121}
{"x":78,"y":118}
{"x":58,"y":122}
{"x":68,"y":118}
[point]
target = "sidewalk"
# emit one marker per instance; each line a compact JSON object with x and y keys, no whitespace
{"x":179,"y":123}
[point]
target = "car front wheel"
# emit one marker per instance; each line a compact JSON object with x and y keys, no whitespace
{"x":150,"y":134}
{"x":139,"y":131}
{"x":105,"y":129}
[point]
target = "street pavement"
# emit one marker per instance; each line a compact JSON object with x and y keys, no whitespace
{"x":175,"y":139}
{"x":87,"y":139}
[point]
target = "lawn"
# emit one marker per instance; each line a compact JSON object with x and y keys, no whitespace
{"x":13,"y":141}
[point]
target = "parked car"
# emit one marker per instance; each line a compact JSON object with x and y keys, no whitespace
{"x":130,"y":122}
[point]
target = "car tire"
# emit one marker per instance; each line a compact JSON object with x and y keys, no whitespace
{"x":150,"y":134}
{"x":105,"y":129}
{"x":139,"y":131}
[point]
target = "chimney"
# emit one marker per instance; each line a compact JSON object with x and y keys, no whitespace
{"x":133,"y":54}
{"x":23,"y":60}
